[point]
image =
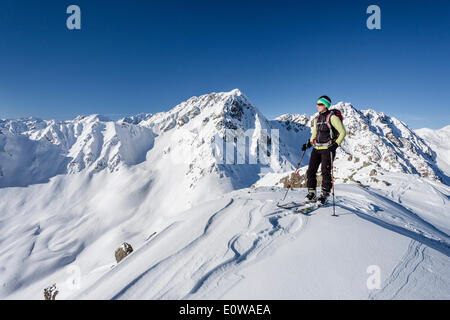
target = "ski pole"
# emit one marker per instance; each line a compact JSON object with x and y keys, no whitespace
{"x":332,"y":183}
{"x":290,"y":182}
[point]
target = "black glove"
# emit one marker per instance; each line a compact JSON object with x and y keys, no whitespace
{"x":332,"y":147}
{"x":306,"y":146}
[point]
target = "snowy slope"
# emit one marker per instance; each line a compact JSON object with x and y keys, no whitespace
{"x":24,"y":161}
{"x":224,"y":248}
{"x":439,"y":141}
{"x":331,"y":259}
{"x":73,"y":191}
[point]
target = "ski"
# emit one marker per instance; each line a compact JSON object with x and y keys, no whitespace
{"x":307,"y":209}
{"x":290,"y":205}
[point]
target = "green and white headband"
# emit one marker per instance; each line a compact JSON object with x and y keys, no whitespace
{"x":325,"y":102}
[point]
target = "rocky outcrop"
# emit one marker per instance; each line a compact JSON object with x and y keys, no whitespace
{"x":299,"y":180}
{"x":50,"y":292}
{"x":124,"y":250}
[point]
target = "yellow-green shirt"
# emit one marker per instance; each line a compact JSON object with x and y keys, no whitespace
{"x":337,"y":124}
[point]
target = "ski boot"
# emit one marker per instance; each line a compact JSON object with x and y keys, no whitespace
{"x":322,"y":199}
{"x":311,"y":196}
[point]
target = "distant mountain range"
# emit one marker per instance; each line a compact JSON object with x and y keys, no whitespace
{"x":34,"y":150}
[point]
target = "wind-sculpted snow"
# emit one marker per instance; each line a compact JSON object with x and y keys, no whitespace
{"x":224,"y":239}
{"x":223,"y":248}
{"x":217,"y":242}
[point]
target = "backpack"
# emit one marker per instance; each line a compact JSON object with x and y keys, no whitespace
{"x":338,"y":114}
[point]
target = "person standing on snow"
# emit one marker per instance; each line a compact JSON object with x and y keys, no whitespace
{"x":327,"y":135}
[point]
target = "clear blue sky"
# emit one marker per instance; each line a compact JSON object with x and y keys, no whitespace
{"x":144,"y":56}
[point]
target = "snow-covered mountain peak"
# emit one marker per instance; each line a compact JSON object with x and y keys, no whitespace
{"x":188,"y":133}
{"x":442,"y":134}
{"x":92,"y":118}
{"x":222,"y":107}
{"x":439,"y":141}
{"x":202,"y":133}
{"x":136,"y":119}
{"x":235,"y":92}
{"x":301,"y":119}
{"x":33,"y":150}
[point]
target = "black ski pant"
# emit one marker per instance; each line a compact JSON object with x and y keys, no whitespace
{"x":320,"y":157}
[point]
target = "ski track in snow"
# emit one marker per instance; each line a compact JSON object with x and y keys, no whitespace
{"x":424,"y":237}
{"x":400,"y":220}
{"x":419,"y":271}
{"x":401,"y":275}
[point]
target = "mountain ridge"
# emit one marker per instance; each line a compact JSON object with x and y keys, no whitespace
{"x":95,"y":142}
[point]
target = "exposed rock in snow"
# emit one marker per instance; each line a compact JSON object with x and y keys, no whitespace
{"x":302,"y":119}
{"x":124,"y":250}
{"x":136,"y":119}
{"x":50,"y":292}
